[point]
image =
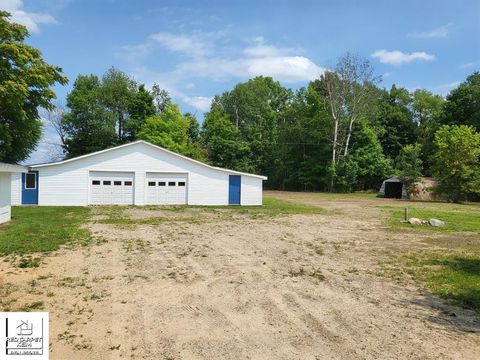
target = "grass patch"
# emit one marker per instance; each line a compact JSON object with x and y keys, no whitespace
{"x":273,"y":206}
{"x":37,"y":305}
{"x":28,"y":262}
{"x":454,"y":277}
{"x":115,"y":215}
{"x":301,"y":272}
{"x":457,"y":218}
{"x":42,"y":229}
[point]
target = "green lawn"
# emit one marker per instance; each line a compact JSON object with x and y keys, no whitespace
{"x":41,"y":229}
{"x":451,"y":269}
{"x":454,"y":276}
{"x":457,"y":217}
{"x":271,"y":207}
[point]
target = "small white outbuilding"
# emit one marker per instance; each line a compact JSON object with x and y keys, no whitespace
{"x":6,"y":171}
{"x":138,"y":173}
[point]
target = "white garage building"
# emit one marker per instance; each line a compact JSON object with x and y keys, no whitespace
{"x":6,"y":171}
{"x":137,"y":173}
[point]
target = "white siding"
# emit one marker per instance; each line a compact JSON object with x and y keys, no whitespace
{"x":251,"y":191}
{"x":16,"y":188}
{"x":115,"y":192}
{"x":5,"y":196}
{"x":67,"y":183}
{"x":139,"y":198}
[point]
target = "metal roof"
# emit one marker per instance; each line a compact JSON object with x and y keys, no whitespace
{"x":154,"y":146}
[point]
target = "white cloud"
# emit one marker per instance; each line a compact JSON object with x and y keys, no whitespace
{"x":469,"y":65}
{"x":444,"y":89}
{"x":254,"y":60}
{"x":198,"y":44}
{"x":262,"y":50}
{"x":30,"y":19}
{"x":201,"y":103}
{"x":134,"y":52}
{"x":284,"y":68}
{"x":211,"y":56}
{"x":441,"y":32}
{"x":397,"y":58}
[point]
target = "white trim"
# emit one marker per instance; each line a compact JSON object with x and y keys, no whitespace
{"x":12,"y":168}
{"x":156,"y":147}
{"x":36,"y":180}
{"x":111,"y":170}
{"x":166,"y":172}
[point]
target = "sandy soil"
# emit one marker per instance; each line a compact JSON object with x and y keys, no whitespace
{"x":222,"y":285}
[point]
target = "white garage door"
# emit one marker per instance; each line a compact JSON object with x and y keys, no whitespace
{"x":111,"y":188}
{"x":166,"y":189}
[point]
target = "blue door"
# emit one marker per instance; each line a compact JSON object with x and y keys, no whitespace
{"x":234,"y":186}
{"x":30,"y":188}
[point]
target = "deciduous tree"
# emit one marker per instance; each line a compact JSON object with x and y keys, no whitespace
{"x":456,"y":161}
{"x":347,"y":94}
{"x":170,"y":129}
{"x":88,"y":126}
{"x":463,"y":103}
{"x":408,"y":165}
{"x":25,"y":87}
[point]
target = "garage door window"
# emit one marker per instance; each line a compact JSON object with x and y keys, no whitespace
{"x":170,"y":189}
{"x":111,"y":188}
{"x":151,"y":183}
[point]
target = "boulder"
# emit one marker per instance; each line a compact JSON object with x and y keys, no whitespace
{"x":415,"y":221}
{"x":436,"y":222}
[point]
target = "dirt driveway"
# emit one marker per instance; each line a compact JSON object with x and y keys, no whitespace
{"x":218,"y":284}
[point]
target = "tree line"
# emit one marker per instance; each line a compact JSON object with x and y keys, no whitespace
{"x":342,"y":132}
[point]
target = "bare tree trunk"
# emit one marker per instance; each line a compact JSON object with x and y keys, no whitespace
{"x":347,"y":142}
{"x":120,"y":127}
{"x":334,"y":152}
{"x":236,"y":114}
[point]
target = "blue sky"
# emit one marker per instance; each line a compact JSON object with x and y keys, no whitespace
{"x":197,"y":49}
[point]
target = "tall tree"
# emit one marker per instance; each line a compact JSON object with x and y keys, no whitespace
{"x":347,"y":93}
{"x":303,"y":151}
{"x":397,"y":127}
{"x":88,"y":126}
{"x":25,"y":87}
{"x":427,"y":112}
{"x":223,"y":143}
{"x":141,"y":107}
{"x":456,"y":161}
{"x":463,"y":103}
{"x":408,"y":166}
{"x":170,"y":130}
{"x":254,"y":108}
{"x":194,"y":127}
{"x":365,"y":166}
{"x":117,"y":93}
{"x":161,"y":98}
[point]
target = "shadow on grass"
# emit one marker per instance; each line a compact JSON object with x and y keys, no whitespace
{"x":454,"y":281}
{"x":458,"y":281}
{"x":447,"y":315}
{"x":467,"y":266}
